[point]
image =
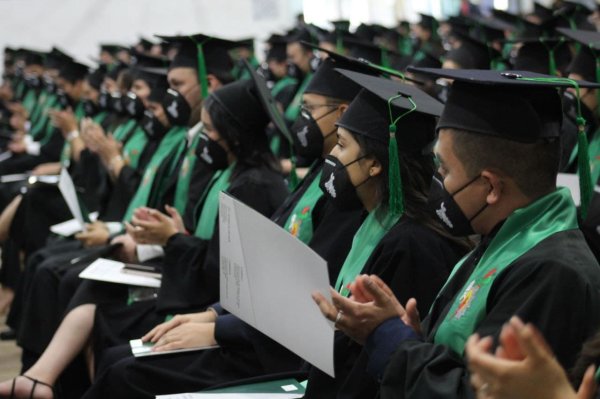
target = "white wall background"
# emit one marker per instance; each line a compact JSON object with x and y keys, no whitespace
{"x":78,"y":26}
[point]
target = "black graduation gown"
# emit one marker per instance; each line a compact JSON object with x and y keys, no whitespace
{"x":555,"y":286}
{"x":190,"y":279}
{"x":415,"y":262}
{"x":244,"y":352}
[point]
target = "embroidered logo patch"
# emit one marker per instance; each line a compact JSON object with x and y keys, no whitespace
{"x":442,"y":215}
{"x":329,"y":186}
{"x":302,"y":136}
{"x":466,"y":300}
{"x":172,"y":109}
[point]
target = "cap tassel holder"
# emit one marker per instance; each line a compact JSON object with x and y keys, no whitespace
{"x":583,"y":157}
{"x":396,"y":199}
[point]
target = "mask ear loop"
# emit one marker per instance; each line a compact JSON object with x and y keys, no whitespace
{"x":396,"y":199}
{"x":583,"y":157}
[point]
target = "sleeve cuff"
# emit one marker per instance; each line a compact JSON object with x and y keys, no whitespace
{"x":147,"y":252}
{"x":32,"y":147}
{"x":382,"y":343}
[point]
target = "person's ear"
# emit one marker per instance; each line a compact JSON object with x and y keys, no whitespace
{"x":341,"y":109}
{"x":494,"y":186}
{"x":375,"y":168}
{"x":213,"y":82}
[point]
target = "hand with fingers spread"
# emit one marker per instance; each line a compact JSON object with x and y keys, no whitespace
{"x":187,"y":335}
{"x":160,"y":330}
{"x":523,"y":366}
{"x":149,"y":226}
{"x":358,"y":320}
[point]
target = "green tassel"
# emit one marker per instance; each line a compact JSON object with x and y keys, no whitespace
{"x":597,"y":80}
{"x":396,"y":200}
{"x":385,"y":59}
{"x":551,"y":62}
{"x":583,"y":162}
{"x":339,"y":44}
{"x":202,"y":72}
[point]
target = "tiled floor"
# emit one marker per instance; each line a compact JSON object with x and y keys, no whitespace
{"x":10,"y":356}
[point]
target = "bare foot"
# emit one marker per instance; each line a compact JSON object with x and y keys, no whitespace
{"x":24,"y":388}
{"x":6,"y":297}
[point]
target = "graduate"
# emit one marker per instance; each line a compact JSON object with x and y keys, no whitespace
{"x":532,"y":260}
{"x":234,"y":145}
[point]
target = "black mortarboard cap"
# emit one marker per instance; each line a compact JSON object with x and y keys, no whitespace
{"x":156,"y":78}
{"x":277,"y":48}
{"x":341,"y":25}
{"x":472,"y":53}
{"x":542,"y":11}
{"x":96,"y":77}
{"x":303,"y":35}
{"x":502,"y":104}
{"x":55,"y":58}
{"x":369,"y":114}
{"x":489,"y":29}
{"x":139,"y":60}
{"x":32,"y":57}
{"x":428,"y":22}
{"x":365,"y":32}
{"x":585,"y":62}
{"x":546,"y":56}
{"x":73,"y":71}
{"x":112,"y":48}
{"x":146,"y":44}
{"x":215,"y":52}
{"x":242,"y":103}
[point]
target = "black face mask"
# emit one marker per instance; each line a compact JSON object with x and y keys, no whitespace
{"x":65,"y":100}
{"x":307,"y":136}
{"x":116,"y":103}
{"x":104,"y":100}
{"x":295,"y":72}
{"x":133,"y":105}
{"x":153,"y":128}
{"x":49,"y":85}
{"x":90,"y":108}
{"x":177,"y":108}
{"x":211,"y":153}
{"x":442,"y":203}
{"x":32,"y":81}
{"x":337,"y":186}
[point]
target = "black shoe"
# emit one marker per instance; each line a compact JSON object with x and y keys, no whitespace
{"x":8,"y":335}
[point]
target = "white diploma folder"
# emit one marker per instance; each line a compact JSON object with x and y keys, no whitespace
{"x":267,"y":277}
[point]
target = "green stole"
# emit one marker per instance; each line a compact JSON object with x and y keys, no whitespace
{"x":132,"y":150}
{"x":121,"y":131}
{"x":39,"y":107}
{"x":185,"y":176}
{"x":372,"y":230}
{"x":174,"y":141}
{"x":210,"y":204}
{"x":299,"y":223}
{"x":293,"y":110}
{"x":40,"y":125}
{"x":29,"y":101}
{"x":282,"y":84}
{"x":521,"y":232}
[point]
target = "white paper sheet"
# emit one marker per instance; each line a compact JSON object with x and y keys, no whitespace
{"x":112,"y":272}
{"x":232,"y":396}
{"x":67,"y":189}
{"x":141,"y":349}
{"x":71,"y":226}
{"x":267,"y":277}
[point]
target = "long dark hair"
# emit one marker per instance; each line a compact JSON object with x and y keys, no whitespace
{"x":416,"y":171}
{"x":251,"y":148}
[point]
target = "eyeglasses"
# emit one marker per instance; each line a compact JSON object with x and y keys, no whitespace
{"x":312,"y":107}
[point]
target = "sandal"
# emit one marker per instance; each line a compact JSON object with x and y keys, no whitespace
{"x":35,"y":383}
